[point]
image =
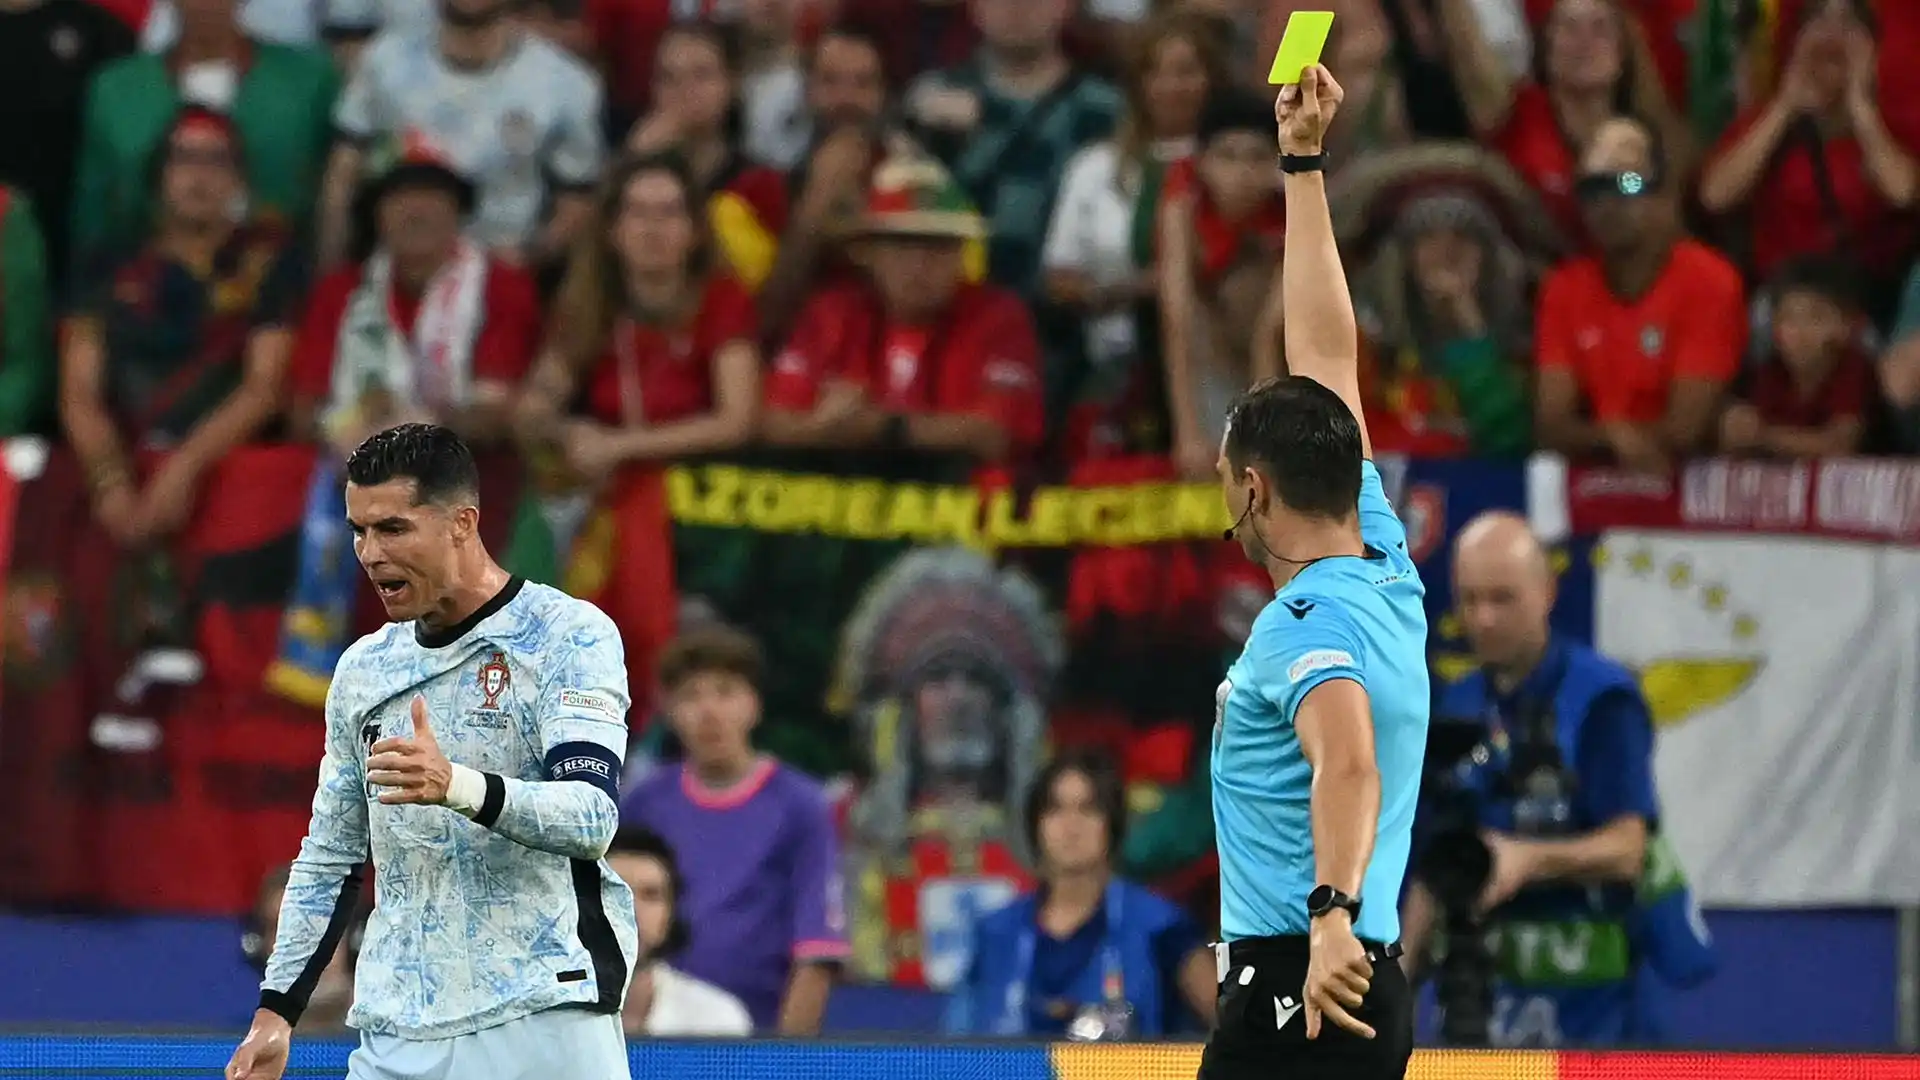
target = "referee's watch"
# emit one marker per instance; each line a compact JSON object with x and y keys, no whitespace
{"x":1325,"y":899}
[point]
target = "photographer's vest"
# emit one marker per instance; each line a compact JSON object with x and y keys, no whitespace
{"x":1566,"y":955}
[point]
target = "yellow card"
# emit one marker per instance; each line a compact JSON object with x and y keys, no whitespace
{"x":1300,"y":46}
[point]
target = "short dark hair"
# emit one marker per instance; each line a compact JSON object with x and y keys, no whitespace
{"x":1818,"y":275}
{"x":711,"y":649}
{"x":433,"y":457}
{"x":1304,"y":439}
{"x":1109,"y":794}
{"x":640,"y":841}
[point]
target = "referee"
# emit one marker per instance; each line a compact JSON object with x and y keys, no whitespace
{"x":1322,"y":722}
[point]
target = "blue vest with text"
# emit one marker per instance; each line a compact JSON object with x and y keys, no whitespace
{"x":1569,"y":955}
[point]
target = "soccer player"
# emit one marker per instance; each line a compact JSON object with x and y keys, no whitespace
{"x":472,"y":750}
{"x":1322,"y":722}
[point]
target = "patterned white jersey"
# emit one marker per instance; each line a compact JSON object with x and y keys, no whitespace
{"x":484,"y":920}
{"x":520,"y":129}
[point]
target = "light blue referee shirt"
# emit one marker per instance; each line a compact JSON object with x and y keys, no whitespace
{"x":1345,"y":617}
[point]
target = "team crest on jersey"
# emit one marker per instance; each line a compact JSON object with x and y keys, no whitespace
{"x":494,"y":681}
{"x":1425,"y":517}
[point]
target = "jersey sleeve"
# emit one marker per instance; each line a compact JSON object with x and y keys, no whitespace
{"x":1005,"y":353}
{"x":1380,"y":527}
{"x":581,"y":709}
{"x":1710,"y":342}
{"x":819,"y":892}
{"x":324,"y":884}
{"x":1301,"y":642}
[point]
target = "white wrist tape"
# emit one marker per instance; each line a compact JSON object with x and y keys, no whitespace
{"x":466,"y":791}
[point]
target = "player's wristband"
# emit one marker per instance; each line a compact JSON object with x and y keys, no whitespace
{"x":467,"y":791}
{"x":1303,"y":163}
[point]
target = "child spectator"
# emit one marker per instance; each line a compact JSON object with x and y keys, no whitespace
{"x":763,"y":880}
{"x":1811,"y":394}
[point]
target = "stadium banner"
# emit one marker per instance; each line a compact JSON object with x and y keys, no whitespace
{"x":1869,"y":499}
{"x":125,"y":1058}
{"x":1784,"y":775}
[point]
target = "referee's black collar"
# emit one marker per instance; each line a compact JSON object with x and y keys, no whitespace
{"x":440,"y":639}
{"x":1367,"y":552}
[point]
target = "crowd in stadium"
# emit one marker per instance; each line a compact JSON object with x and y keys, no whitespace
{"x":1039,"y":237}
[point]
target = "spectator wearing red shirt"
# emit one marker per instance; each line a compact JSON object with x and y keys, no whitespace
{"x":696,"y":113}
{"x":426,"y":327}
{"x":1815,"y":170}
{"x":1636,"y":342}
{"x":657,"y":346}
{"x":1590,"y":64}
{"x":1811,"y":395}
{"x":654,"y":357}
{"x":1897,"y":28}
{"x":1221,"y":226}
{"x":918,"y":359}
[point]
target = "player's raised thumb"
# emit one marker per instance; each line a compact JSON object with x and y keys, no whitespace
{"x":421,"y":728}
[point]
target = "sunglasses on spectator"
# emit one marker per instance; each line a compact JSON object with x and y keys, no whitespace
{"x":1602,"y":185}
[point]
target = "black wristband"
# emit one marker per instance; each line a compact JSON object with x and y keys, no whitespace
{"x":1303,"y":163}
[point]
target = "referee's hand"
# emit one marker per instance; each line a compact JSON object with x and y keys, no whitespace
{"x":1338,"y":975}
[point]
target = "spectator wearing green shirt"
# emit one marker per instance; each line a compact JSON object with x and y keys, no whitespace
{"x":26,"y":344}
{"x":280,"y":99}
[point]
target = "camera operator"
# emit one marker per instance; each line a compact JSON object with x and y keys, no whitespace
{"x":1560,"y":791}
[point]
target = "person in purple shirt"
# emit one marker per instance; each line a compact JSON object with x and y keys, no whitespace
{"x":764,"y":892}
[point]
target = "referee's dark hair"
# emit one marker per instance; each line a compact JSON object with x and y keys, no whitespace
{"x":1304,"y":440}
{"x":1109,"y":794}
{"x":433,"y":457}
{"x":645,"y":843}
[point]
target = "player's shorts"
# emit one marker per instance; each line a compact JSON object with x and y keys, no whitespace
{"x":1262,"y":1033}
{"x":558,"y":1044}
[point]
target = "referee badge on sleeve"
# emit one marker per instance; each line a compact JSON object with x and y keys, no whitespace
{"x":1318,"y":660}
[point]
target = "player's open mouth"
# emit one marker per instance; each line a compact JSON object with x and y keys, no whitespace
{"x":390,"y":589}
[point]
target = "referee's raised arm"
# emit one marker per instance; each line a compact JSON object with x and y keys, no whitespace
{"x":1321,"y":339}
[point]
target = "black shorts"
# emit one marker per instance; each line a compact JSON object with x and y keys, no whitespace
{"x":1259,"y":1037}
